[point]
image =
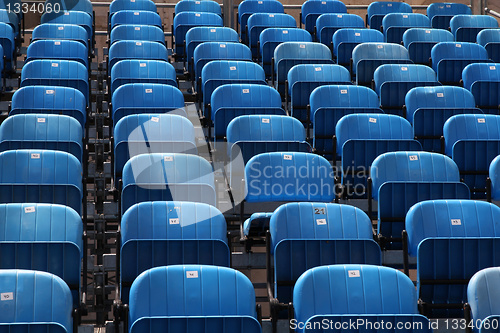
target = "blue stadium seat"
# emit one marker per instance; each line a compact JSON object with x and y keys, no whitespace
{"x":394,"y":25}
{"x":494,"y":177}
{"x":392,"y":82}
{"x":339,"y":294}
{"x":490,"y":40}
{"x":43,"y":176}
{"x":304,"y":78}
{"x":311,"y":10}
{"x":142,"y":5}
{"x":466,"y":27}
{"x":187,"y":20}
{"x":137,"y":32}
{"x":328,"y":104}
{"x":164,"y":233}
{"x":483,"y":81}
{"x":72,"y":17}
{"x":247,"y":8}
{"x":272,"y":37}
{"x":258,"y":22}
{"x":60,"y":31}
{"x":366,"y":57}
{"x":129,"y":49}
{"x":9,"y":17}
{"x":42,"y":131}
{"x":206,"y":6}
{"x":151,"y":133}
{"x":440,"y":14}
{"x":201,"y":298}
{"x":135,"y":17}
{"x":482,"y":296}
{"x":450,"y":58}
{"x":289,"y":54}
{"x":232,"y":100}
{"x":57,"y":49}
{"x":378,"y":9}
{"x":45,"y":300}
{"x":72,"y":5}
{"x":256,"y":225}
{"x":361,"y":138}
{"x":50,"y":100}
{"x":43,"y":237}
{"x":447,"y":237}
{"x":401,"y":179}
{"x":419,"y":42}
{"x":345,"y":40}
{"x":327,"y":24}
{"x":428,"y":108}
{"x":166,"y":177}
{"x":8,"y":45}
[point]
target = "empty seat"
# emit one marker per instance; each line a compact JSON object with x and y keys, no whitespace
{"x":8,"y":45}
{"x":346,"y":39}
{"x":328,"y":24}
{"x":137,"y":32}
{"x":60,"y":31}
{"x":378,"y":9}
{"x":206,"y":298}
{"x":57,"y":49}
{"x":447,"y":237}
{"x":135,"y":17}
{"x":8,"y":16}
{"x":187,"y":20}
{"x":482,"y":296}
{"x":483,"y":81}
{"x":466,"y":27}
{"x":440,"y":14}
{"x":164,"y":233}
{"x":129,"y":49}
{"x":71,"y":17}
{"x":247,"y":8}
{"x":143,"y":5}
{"x":490,"y":39}
{"x":312,"y":9}
{"x":395,"y":24}
{"x":450,"y":58}
{"x":259,"y":21}
{"x":492,"y":183}
{"x":419,"y":42}
{"x":428,"y":108}
{"x":206,"y":6}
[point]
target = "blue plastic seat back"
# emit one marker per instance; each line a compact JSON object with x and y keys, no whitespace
{"x":270,"y":38}
{"x":42,"y":131}
{"x":187,"y":20}
{"x":306,"y":235}
{"x":346,"y":39}
{"x":289,"y":185}
{"x":328,"y":24}
{"x":50,"y":100}
{"x":223,"y":298}
{"x":440,"y":14}
{"x":494,"y":174}
{"x":257,"y":224}
{"x":304,"y":78}
{"x":129,"y":49}
{"x":152,"y":133}
{"x":167,"y":177}
{"x":395,"y":24}
{"x":71,"y":17}
{"x":206,"y":6}
{"x":164,"y":233}
{"x":142,"y":71}
{"x":419,"y":42}
{"x":135,"y":17}
{"x":490,"y":39}
{"x":45,"y":299}
{"x":138,"y":32}
{"x":483,"y":81}
{"x":466,"y":27}
{"x":482,"y":294}
{"x":13,"y":5}
{"x":450,"y":58}
{"x":9,"y":17}
{"x":258,"y":22}
{"x":246,"y":9}
{"x":143,"y":5}
{"x":72,"y":5}
{"x":57,"y":49}
{"x":45,"y":238}
{"x":62,"y":73}
{"x":456,"y":232}
{"x":378,"y":9}
{"x":60,"y":31}
{"x":311,"y":10}
{"x":7,"y":42}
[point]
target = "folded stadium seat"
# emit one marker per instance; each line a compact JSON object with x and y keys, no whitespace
{"x":138,"y":98}
{"x":232,"y":100}
{"x":42,"y":131}
{"x":220,"y":72}
{"x":364,"y":294}
{"x":201,"y":298}
{"x":187,"y":20}
{"x":206,"y":6}
{"x":248,"y":7}
{"x":167,"y":177}
{"x":392,"y":83}
{"x":134,"y":17}
{"x":328,"y":104}
{"x":440,"y":14}
{"x":44,"y":298}
{"x":164,"y":233}
{"x":258,"y":22}
{"x":8,"y":45}
{"x":482,"y":296}
{"x":43,"y":176}
{"x":151,"y":133}
{"x":366,"y":57}
{"x":378,"y":9}
{"x":493,"y":192}
{"x":303,"y":235}
{"x":137,"y":32}
{"x":490,"y":39}
{"x":304,"y":78}
{"x":398,"y":180}
{"x":72,"y":17}
{"x":142,"y":5}
{"x":130,"y":49}
{"x":9,"y":17}
{"x":58,"y":49}
{"x":197,"y":35}
{"x":289,"y":54}
{"x":312,"y":9}
{"x":346,"y":39}
{"x":62,"y":73}
{"x":450,"y":58}
{"x":483,"y":81}
{"x":419,"y":42}
{"x":466,"y":27}
{"x":328,"y":24}
{"x":428,"y":108}
{"x":473,"y":141}
{"x":361,"y":138}
{"x":270,"y":38}
{"x":142,"y":71}
{"x":43,"y":237}
{"x":50,"y":100}
{"x":394,"y":25}
{"x":60,"y":32}
{"x":447,"y":237}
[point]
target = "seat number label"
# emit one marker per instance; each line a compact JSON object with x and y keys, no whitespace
{"x":265,"y":120}
{"x":192,"y":274}
{"x":137,"y":28}
{"x":35,"y":156}
{"x":456,"y":222}
{"x":155,"y":119}
{"x":481,"y":120}
{"x":174,"y":221}
{"x":321,"y":221}
{"x":149,"y":91}
{"x":343,"y":91}
{"x":440,"y":95}
{"x":60,"y":28}
{"x":168,"y":158}
{"x":372,"y":120}
{"x":30,"y":209}
{"x":222,"y":45}
{"x":40,"y":120}
{"x":142,"y":64}
{"x":353,"y":273}
{"x":413,"y":158}
{"x":7,"y":296}
{"x":49,"y":92}
{"x":317,"y":69}
{"x":287,"y":157}
{"x":319,"y":211}
{"x":57,"y":43}
{"x":492,"y":68}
